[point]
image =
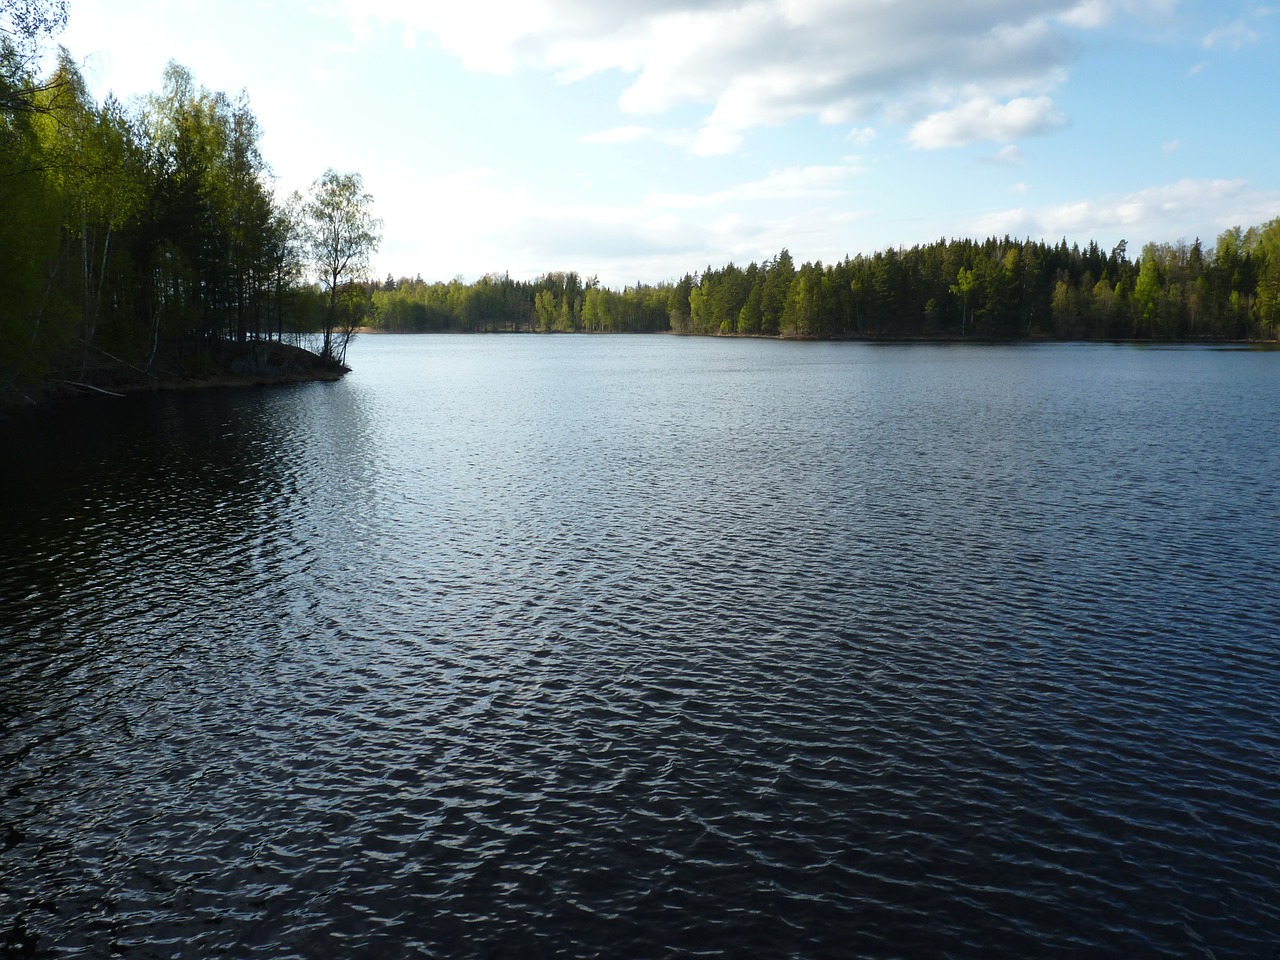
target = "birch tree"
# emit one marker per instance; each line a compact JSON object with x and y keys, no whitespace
{"x":341,"y":235}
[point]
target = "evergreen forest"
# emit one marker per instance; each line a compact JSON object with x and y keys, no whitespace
{"x":1000,"y":288}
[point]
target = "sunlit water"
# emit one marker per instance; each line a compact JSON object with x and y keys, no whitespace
{"x":650,"y":647}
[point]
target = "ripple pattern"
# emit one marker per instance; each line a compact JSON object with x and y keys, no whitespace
{"x":646,"y":647}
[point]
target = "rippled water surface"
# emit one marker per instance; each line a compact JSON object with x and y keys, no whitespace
{"x":650,"y":647}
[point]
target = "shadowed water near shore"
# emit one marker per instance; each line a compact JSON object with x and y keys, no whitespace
{"x":650,"y":647}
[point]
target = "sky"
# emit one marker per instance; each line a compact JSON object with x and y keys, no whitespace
{"x":643,"y":140}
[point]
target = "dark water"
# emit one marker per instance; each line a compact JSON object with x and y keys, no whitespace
{"x":646,"y":647}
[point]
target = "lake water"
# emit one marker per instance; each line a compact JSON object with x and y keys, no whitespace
{"x":646,"y":647}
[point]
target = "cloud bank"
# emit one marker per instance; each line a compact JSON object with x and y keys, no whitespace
{"x":1166,"y":212}
{"x":954,"y":73}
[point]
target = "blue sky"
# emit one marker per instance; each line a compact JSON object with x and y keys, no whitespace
{"x":637,"y":141}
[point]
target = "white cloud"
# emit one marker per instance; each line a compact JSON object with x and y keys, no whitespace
{"x":474,"y":205}
{"x":1092,"y":14}
{"x":635,"y":133}
{"x":1014,"y":223}
{"x":1008,"y":155}
{"x":862,"y":136}
{"x":1186,"y":208}
{"x":1172,"y":146}
{"x":715,"y":139}
{"x":629,"y":134}
{"x":985,"y":119}
{"x":791,"y":183}
{"x":456,"y":26}
{"x":659,"y":237}
{"x":757,"y":63}
{"x":1088,"y":15}
{"x":1236,"y":35}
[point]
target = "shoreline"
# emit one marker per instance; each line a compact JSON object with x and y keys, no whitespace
{"x":256,"y":363}
{"x":937,"y":340}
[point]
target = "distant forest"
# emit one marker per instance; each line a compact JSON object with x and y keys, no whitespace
{"x":996,"y":289}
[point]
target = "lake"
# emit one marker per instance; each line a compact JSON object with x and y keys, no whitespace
{"x":650,"y":647}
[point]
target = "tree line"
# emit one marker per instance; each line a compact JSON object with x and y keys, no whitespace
{"x":554,"y":303}
{"x":1000,"y":288}
{"x":143,"y":234}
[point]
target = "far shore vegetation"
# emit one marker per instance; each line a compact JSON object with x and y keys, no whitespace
{"x":143,"y":245}
{"x":1000,"y":288}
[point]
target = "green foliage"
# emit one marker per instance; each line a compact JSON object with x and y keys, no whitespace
{"x":998,"y":288}
{"x":28,"y":245}
{"x":553,"y":303}
{"x":340,"y":234}
{"x":778,"y":274}
{"x":966,"y":282}
{"x":138,"y":237}
{"x":1266,"y":254}
{"x":24,"y":24}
